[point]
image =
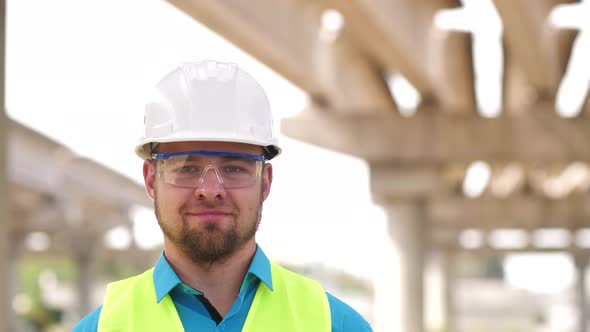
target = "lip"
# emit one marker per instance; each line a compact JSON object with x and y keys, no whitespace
{"x":209,"y":215}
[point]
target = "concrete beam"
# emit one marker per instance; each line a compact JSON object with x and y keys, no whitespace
{"x":451,"y":70}
{"x":396,"y":53}
{"x":54,"y":218}
{"x":351,"y":81}
{"x":516,"y":212}
{"x":281,"y":34}
{"x":43,"y":165}
{"x":432,"y":137}
{"x":103,"y":186}
{"x":444,"y":57}
{"x":395,"y":182}
{"x":400,"y":36}
{"x":539,"y":50}
{"x":287,"y":36}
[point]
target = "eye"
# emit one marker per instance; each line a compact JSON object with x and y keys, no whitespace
{"x":187,"y":169}
{"x":234,"y":169}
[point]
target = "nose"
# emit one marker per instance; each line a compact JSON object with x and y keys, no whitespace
{"x":210,"y":184}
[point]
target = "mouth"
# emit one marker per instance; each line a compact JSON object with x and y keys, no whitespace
{"x":209,"y":215}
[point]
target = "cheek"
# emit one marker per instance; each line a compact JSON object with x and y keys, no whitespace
{"x":169,"y":202}
{"x":246,"y":201}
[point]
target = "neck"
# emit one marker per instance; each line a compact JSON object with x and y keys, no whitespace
{"x":219,"y":281}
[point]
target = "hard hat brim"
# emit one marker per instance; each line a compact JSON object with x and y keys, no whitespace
{"x":144,"y":148}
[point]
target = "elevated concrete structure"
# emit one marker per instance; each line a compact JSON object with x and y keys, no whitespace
{"x":71,"y":200}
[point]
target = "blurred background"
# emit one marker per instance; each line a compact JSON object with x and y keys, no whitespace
{"x":435,"y":169}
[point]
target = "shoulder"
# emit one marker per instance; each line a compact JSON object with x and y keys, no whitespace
{"x":345,"y":318}
{"x":88,"y":323}
{"x":120,"y":288}
{"x":287,"y":278}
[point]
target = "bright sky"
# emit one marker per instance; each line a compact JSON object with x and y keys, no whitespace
{"x":80,"y":71}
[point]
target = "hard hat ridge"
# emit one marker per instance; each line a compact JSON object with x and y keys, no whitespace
{"x":210,"y":69}
{"x":208,"y":101}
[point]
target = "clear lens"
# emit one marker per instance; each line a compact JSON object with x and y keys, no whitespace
{"x":190,"y":170}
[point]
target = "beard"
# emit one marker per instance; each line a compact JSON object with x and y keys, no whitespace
{"x":211,"y":243}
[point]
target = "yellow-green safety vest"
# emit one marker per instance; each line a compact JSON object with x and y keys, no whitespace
{"x":296,"y":304}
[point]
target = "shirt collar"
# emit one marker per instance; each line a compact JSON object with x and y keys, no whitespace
{"x":165,"y":279}
{"x":260,"y":268}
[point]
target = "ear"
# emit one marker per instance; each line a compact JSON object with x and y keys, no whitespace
{"x":266,"y":180}
{"x":149,"y":178}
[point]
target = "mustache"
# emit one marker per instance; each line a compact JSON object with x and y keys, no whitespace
{"x":196,"y":206}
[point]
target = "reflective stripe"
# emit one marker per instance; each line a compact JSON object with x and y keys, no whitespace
{"x":295,"y":304}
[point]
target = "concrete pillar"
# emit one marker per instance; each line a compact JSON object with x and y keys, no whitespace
{"x":84,"y":240}
{"x":6,"y":313}
{"x":449,"y":278}
{"x":84,"y":286}
{"x":15,"y":251}
{"x":439,"y":288}
{"x":84,"y":254}
{"x":581,"y":261}
{"x":399,"y":292}
{"x":11,"y":282}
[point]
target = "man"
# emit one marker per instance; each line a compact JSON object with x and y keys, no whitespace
{"x":208,"y":137}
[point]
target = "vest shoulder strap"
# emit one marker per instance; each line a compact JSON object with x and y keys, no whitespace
{"x":125,"y":309}
{"x":296,"y":304}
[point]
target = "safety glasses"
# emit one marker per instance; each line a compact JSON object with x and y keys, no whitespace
{"x":189,"y":168}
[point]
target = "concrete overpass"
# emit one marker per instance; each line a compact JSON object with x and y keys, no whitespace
{"x":72,"y":201}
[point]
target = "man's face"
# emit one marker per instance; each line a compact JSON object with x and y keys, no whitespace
{"x":210,"y":222}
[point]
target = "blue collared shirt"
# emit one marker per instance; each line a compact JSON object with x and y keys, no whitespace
{"x":195,"y":316}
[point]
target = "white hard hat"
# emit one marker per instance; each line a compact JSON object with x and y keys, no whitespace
{"x":208,"y":101}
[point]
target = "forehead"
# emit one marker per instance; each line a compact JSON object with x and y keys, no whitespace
{"x":212,"y":146}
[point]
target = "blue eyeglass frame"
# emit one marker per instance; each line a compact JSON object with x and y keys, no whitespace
{"x":164,"y":156}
